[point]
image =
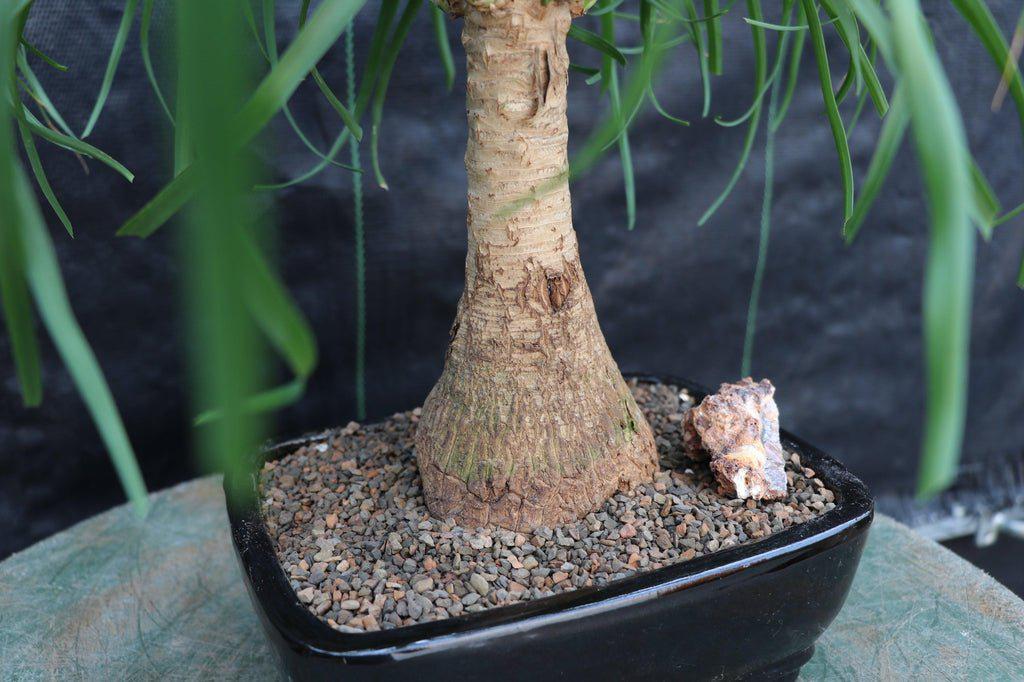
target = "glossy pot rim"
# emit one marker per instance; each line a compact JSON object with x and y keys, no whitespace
{"x":304,"y":631}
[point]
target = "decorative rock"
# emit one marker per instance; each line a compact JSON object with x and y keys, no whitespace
{"x":738,"y":429}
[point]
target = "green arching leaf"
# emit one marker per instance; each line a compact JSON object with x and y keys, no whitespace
{"x":14,"y":297}
{"x":127,"y":17}
{"x":38,"y":94}
{"x":585,"y":70}
{"x":147,"y":60}
{"x":894,"y":128}
{"x":661,"y":110}
{"x":774,"y":27}
{"x":945,"y":169}
{"x":597,"y":42}
{"x":831,"y":108}
{"x":874,"y":86}
{"x":250,"y":20}
{"x":309,"y":46}
{"x":871,"y":16}
{"x":42,"y":55}
{"x":792,"y":75}
{"x":760,"y":69}
{"x":270,"y":33}
{"x":985,"y":204}
{"x":782,"y":27}
{"x":849,"y":33}
{"x":74,"y":144}
{"x":265,"y":401}
{"x":714,"y":28}
{"x":697,"y":36}
{"x":861,"y":101}
{"x":273,"y":309}
{"x":606,"y":8}
{"x":663,"y":45}
{"x":846,"y":86}
{"x":47,"y":287}
{"x":1008,"y":216}
{"x":40,"y":174}
{"x":610,"y":72}
{"x":444,"y":49}
{"x":346,"y":116}
{"x":985,"y":27}
{"x":388,"y":59}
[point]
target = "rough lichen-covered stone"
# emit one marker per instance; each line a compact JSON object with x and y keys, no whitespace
{"x":738,"y":430}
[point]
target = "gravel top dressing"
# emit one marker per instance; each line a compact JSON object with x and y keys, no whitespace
{"x":362,"y":552}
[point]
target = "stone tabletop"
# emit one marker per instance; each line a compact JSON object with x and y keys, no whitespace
{"x":119,"y":598}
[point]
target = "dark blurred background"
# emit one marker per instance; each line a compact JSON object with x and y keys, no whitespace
{"x":839,"y":330}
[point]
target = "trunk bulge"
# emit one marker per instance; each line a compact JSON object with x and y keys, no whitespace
{"x":531,"y":422}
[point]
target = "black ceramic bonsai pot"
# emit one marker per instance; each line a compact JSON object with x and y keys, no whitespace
{"x":752,"y":611}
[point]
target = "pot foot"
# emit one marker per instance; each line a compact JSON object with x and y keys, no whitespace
{"x":785,"y":670}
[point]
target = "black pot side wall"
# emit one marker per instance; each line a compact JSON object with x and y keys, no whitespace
{"x":749,"y":611}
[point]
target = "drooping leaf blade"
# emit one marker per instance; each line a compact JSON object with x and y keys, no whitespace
{"x":831,"y":107}
{"x":945,"y":169}
{"x":319,"y":34}
{"x":127,"y":17}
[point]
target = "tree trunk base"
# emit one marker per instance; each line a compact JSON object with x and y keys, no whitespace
{"x":531,"y":422}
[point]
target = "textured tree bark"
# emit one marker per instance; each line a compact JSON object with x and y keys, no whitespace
{"x":531,"y":422}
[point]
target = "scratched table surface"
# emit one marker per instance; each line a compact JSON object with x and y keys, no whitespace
{"x":119,"y":598}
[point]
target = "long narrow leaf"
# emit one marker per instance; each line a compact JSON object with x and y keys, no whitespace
{"x":47,"y":287}
{"x":42,"y":55}
{"x":346,"y":116}
{"x":893,"y":130}
{"x":874,"y":86}
{"x":147,"y":60}
{"x":127,"y":17}
{"x":40,"y":174}
{"x":947,"y":290}
{"x":792,"y":74}
{"x":985,"y":206}
{"x":614,"y":96}
{"x":270,"y":35}
{"x":39,"y":94}
{"x":985,"y":27}
{"x":697,"y":35}
{"x":17,"y":309}
{"x":760,"y":69}
{"x":831,"y":108}
{"x":444,"y":49}
{"x":388,"y":59}
{"x":595,"y":41}
{"x":309,"y":46}
{"x":76,"y":145}
{"x":714,"y":28}
{"x":849,"y":33}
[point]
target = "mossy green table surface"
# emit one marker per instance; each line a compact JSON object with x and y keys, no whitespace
{"x":119,"y":598}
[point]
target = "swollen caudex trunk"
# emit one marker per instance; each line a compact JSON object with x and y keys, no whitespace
{"x":531,"y":422}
